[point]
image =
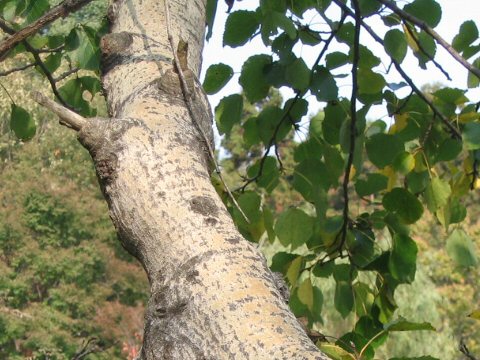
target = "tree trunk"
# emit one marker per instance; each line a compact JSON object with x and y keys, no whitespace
{"x":212,"y":295}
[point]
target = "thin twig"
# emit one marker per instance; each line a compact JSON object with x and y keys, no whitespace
{"x":38,"y":61}
{"x":353,"y":120}
{"x":193,"y":115}
{"x":422,"y":25}
{"x":410,"y":82}
{"x":20,"y":68}
{"x":61,"y":10}
{"x":425,"y":52}
{"x":66,"y":74}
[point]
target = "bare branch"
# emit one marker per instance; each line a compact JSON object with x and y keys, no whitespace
{"x":422,"y":25}
{"x":19,"y":68}
{"x":67,"y":116}
{"x":61,"y":10}
{"x":66,"y":74}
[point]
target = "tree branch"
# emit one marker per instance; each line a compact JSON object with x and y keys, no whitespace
{"x":16,"y":69}
{"x":353,"y":121}
{"x":422,"y":25}
{"x":67,"y":117}
{"x":405,"y":76}
{"x":61,"y":10}
{"x":38,"y":61}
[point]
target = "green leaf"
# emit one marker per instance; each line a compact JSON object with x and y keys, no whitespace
{"x":34,"y":10}
{"x":253,"y":79}
{"x":370,"y":82}
{"x":404,"y":163}
{"x":296,"y":109}
{"x":335,"y":114}
{"x":451,"y":96}
{"x":250,"y":203}
{"x":448,"y":150}
{"x":336,"y":59}
{"x":343,"y":299}
{"x":467,"y":34}
{"x":309,"y":177}
{"x":269,"y":178}
{"x":282,"y":260}
{"x":369,"y":7}
{"x":461,"y":249}
{"x":268,"y":121}
{"x":374,"y":184}
{"x":402,"y":262}
{"x":426,"y":10}
{"x":297,"y":75}
{"x":22,"y":123}
{"x":403,"y":203}
{"x":396,"y":45}
{"x":472,"y":80}
{"x":217,"y":76}
{"x":240,"y":27}
{"x":402,"y":324}
{"x":86,"y":54}
{"x":471,"y":136}
{"x":382,"y":149}
{"x":294,"y":227}
{"x":228,"y":113}
{"x":293,"y":270}
{"x":211,"y":11}
{"x":437,"y":194}
{"x":53,"y":61}
{"x":323,"y":85}
{"x":72,"y":93}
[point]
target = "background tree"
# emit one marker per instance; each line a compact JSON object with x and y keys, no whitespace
{"x":352,"y":225}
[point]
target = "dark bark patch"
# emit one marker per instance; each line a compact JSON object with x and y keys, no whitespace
{"x":234,"y":240}
{"x":211,"y":221}
{"x":204,"y":205}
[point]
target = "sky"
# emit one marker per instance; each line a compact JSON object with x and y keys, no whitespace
{"x":454,"y":13}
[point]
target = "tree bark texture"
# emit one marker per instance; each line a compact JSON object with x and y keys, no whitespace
{"x":212,"y":294}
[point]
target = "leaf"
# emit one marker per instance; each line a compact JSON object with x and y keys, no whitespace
{"x":309,"y":178}
{"x":471,"y":136}
{"x":335,"y":114}
{"x":86,"y":53}
{"x":53,"y":61}
{"x":323,"y":85}
{"x":282,"y":260}
{"x":448,"y":150}
{"x":437,"y":194}
{"x":253,"y":79}
{"x":467,"y":34}
{"x":297,"y":75}
{"x":294,"y":270}
{"x":305,"y":293}
{"x":475,"y":314}
{"x":335,"y":352}
{"x":269,"y":178}
{"x":404,"y":163}
{"x":401,"y":324}
{"x":22,"y":123}
{"x":395,"y":44}
{"x":402,"y":262}
{"x":240,"y":27}
{"x":250,"y":203}
{"x":217,"y":76}
{"x":294,"y":228}
{"x":72,"y":93}
{"x":336,"y":59}
{"x":34,"y":10}
{"x":382,"y":149}
{"x":370,"y":82}
{"x":228,"y":113}
{"x":268,"y":121}
{"x":211,"y":11}
{"x":403,"y":203}
{"x":472,"y":80}
{"x":343,"y":299}
{"x":461,"y":249}
{"x":426,"y":10}
{"x":374,"y":184}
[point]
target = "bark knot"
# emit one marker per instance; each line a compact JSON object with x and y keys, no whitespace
{"x":204,"y":205}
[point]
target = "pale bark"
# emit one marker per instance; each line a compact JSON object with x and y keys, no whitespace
{"x":212,"y":295}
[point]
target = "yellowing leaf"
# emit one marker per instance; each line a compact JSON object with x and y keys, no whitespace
{"x":475,"y":314}
{"x":294,"y":270}
{"x":468,"y":117}
{"x":412,"y":43}
{"x":400,"y":123}
{"x":391,"y":174}
{"x":305,"y":293}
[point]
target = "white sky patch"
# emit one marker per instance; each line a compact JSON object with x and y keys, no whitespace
{"x":454,"y":13}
